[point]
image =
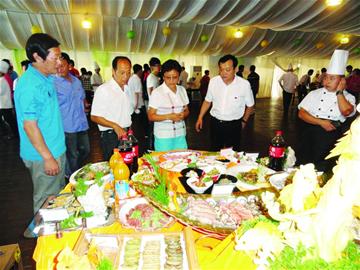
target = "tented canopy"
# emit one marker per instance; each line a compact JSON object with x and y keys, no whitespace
{"x":302,"y":28}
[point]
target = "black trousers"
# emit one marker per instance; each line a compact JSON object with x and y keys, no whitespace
{"x":109,"y":141}
{"x":302,"y":92}
{"x":8,"y":116}
{"x":225,"y":134}
{"x":316,"y":144}
{"x":286,"y":101}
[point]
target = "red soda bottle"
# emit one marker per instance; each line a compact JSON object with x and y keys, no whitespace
{"x":133,"y":143}
{"x":125,"y":151}
{"x":277,"y":152}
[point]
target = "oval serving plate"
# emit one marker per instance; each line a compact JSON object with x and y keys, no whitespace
{"x":90,"y":170}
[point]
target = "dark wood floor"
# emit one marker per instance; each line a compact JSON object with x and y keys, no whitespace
{"x":16,"y":186}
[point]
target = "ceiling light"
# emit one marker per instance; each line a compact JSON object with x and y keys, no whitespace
{"x":333,"y":3}
{"x":86,"y":24}
{"x":238,"y":34}
{"x":344,"y":40}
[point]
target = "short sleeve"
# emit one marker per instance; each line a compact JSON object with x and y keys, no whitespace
{"x":155,"y":99}
{"x":184,"y":96}
{"x":307,"y":101}
{"x":209,"y":95}
{"x":137,"y":86}
{"x":99,"y":103}
{"x":31,"y":103}
{"x":249,"y":98}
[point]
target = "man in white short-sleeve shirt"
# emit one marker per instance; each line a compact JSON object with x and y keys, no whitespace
{"x":135,"y":87}
{"x":323,"y":112}
{"x":111,"y":108}
{"x":232,"y":103}
{"x":288,"y":82}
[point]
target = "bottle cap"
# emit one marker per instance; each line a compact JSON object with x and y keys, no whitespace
{"x":116,"y":150}
{"x":130,"y":132}
{"x":279,"y":132}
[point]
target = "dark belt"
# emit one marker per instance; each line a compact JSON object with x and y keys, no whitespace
{"x":111,"y":131}
{"x":224,"y":121}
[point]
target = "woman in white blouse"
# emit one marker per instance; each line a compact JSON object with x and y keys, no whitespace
{"x":168,"y":107}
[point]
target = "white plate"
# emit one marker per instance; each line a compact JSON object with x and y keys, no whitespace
{"x":94,"y":166}
{"x":180,"y":154}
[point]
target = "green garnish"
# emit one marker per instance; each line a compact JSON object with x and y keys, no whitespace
{"x":68,"y":222}
{"x":80,"y":187}
{"x":136,"y":214}
{"x":98,"y":178}
{"x":105,"y":264}
{"x":299,"y":259}
{"x":86,"y":214}
{"x":160,"y":193}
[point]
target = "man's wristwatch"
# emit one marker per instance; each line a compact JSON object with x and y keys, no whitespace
{"x":340,"y":92}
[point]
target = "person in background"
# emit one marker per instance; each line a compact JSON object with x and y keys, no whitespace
{"x":73,"y":70}
{"x":353,"y":84}
{"x":85,"y":79}
{"x":240,"y":71}
{"x":204,"y":84}
{"x":6,"y":105}
{"x":42,"y":140}
{"x":135,"y":87}
{"x":183,"y":77}
{"x":96,"y":79}
{"x":168,"y":108}
{"x":24,"y":67}
{"x":349,"y":70}
{"x":288,"y":82}
{"x":254,"y":80}
{"x":323,"y":112}
{"x":231,"y":101}
{"x":111,"y":109}
{"x":72,"y":102}
{"x":304,"y":85}
{"x":8,"y":77}
{"x":321,"y":77}
{"x":152,"y":82}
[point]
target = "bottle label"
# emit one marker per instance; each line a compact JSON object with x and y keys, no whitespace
{"x":135,"y":150}
{"x":127,"y":157}
{"x":121,"y":189}
{"x":276,"y":152}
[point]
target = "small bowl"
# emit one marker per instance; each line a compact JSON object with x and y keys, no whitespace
{"x":197,"y":170}
{"x":232,"y":178}
{"x":198,"y":190}
{"x":278,"y":180}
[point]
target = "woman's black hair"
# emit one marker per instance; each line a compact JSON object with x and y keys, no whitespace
{"x":170,"y":65}
{"x":40,"y":43}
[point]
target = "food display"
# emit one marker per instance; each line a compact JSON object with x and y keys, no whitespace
{"x":138,"y":214}
{"x":171,"y":250}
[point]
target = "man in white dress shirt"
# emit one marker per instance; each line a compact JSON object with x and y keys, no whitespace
{"x":96,"y":79}
{"x":111,"y":108}
{"x":288,"y":82}
{"x":232,"y":104}
{"x":152,"y":82}
{"x":324,"y":111}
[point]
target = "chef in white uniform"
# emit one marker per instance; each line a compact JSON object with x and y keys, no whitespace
{"x":324,"y":112}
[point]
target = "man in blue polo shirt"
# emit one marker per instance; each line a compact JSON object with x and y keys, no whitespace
{"x":42,"y":141}
{"x":71,"y":97}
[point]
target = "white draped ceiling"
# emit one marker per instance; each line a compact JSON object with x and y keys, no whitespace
{"x":292,"y":27}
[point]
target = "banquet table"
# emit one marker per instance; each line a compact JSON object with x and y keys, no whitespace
{"x":211,"y":252}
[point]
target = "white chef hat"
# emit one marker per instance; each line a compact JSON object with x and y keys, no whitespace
{"x":96,"y":66}
{"x":4,"y":67}
{"x":338,"y":62}
{"x":290,"y":66}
